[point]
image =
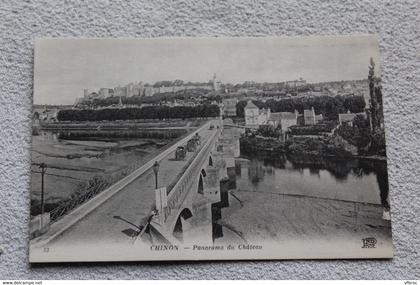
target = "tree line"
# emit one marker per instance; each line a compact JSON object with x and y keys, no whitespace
{"x":328,"y":106}
{"x":149,"y":112}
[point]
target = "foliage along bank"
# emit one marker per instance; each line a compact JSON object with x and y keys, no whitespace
{"x":328,"y":106}
{"x":148,"y":112}
{"x":308,"y":146}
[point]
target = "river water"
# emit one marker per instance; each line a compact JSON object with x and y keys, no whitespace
{"x":71,"y":163}
{"x":355,"y":180}
{"x":304,"y":200}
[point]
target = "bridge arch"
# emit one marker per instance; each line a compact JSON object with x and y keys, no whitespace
{"x":178,"y":231}
{"x":200,"y":185}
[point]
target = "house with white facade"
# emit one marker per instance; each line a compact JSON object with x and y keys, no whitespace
{"x":252,"y":115}
{"x":347,"y":118}
{"x":310,"y":118}
{"x":283,"y":120}
{"x":229,"y":107}
{"x":255,"y":117}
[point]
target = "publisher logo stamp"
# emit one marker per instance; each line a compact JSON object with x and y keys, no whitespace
{"x":369,"y":242}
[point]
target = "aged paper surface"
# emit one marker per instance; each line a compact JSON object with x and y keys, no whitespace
{"x":208,"y":149}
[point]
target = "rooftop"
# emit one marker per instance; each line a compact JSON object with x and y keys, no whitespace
{"x":278,"y":116}
{"x":251,"y":105}
{"x":288,"y":115}
{"x":347,"y":117}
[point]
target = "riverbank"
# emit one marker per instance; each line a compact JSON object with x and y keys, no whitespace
{"x":270,"y":217}
{"x":309,"y":146}
{"x":252,"y":144}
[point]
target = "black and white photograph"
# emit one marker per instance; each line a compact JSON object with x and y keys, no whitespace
{"x":223,"y":148}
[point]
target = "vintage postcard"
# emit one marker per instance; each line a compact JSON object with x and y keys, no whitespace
{"x":208,"y":149}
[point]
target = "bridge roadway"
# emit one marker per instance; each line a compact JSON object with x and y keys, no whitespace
{"x":132,"y":204}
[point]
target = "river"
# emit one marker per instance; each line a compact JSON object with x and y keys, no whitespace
{"x":70,"y":163}
{"x":299,"y":200}
{"x":354,"y":180}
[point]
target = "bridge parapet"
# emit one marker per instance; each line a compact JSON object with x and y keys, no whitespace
{"x":178,"y":193}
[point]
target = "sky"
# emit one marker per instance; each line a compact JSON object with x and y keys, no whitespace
{"x":64,"y":67}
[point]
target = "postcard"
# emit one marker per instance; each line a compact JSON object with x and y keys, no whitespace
{"x":245,"y":148}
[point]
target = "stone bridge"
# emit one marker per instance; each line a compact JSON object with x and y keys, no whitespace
{"x":198,"y":188}
{"x":183,"y":206}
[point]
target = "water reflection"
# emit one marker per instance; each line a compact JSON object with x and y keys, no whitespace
{"x":358,"y":180}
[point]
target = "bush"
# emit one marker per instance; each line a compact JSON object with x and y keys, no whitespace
{"x":251,"y":145}
{"x":269,"y":131}
{"x":329,"y":146}
{"x":328,"y":106}
{"x":325,"y":127}
{"x":149,"y":112}
{"x":358,"y":135}
{"x":378,"y":143}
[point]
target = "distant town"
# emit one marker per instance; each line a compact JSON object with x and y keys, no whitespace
{"x":283,"y":110}
{"x":190,"y":94}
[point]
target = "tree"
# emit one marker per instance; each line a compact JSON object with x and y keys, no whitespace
{"x":269,"y":131}
{"x":358,"y":135}
{"x":148,"y":112}
{"x":355,"y":104}
{"x":376,"y":112}
{"x":361,"y":122}
{"x":375,"y":92}
{"x":378,"y":142}
{"x":328,"y":106}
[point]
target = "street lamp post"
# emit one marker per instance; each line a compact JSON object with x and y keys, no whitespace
{"x":156,"y":171}
{"x":43,"y":167}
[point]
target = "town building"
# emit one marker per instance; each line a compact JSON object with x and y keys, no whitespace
{"x":130,"y":89}
{"x":283,"y":120}
{"x":104,"y":92}
{"x":216,"y":84}
{"x":274,"y":119}
{"x":120,"y":91}
{"x":264,"y":116}
{"x":287,"y":120}
{"x":310,"y":118}
{"x":294,"y":84}
{"x":92,"y":96}
{"x":251,"y":112}
{"x":347,"y":118}
{"x":148,"y":91}
{"x":229,"y":107}
{"x":255,"y":117}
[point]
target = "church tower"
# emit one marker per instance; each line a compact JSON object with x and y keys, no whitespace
{"x":120,"y":104}
{"x":216,"y":84}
